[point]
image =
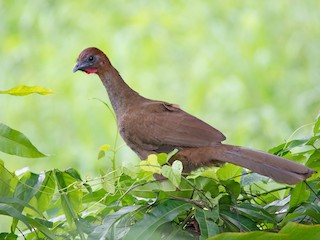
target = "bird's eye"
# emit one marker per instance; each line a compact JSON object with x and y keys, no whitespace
{"x":90,"y":58}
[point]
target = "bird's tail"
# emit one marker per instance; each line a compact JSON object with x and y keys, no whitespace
{"x":279,"y":169}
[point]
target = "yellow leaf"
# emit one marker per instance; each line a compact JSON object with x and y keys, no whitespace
{"x":105,"y":147}
{"x":23,"y":90}
{"x":151,"y":164}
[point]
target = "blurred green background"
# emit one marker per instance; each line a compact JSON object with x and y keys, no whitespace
{"x":249,"y":68}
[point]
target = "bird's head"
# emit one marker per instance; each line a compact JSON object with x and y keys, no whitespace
{"x":91,"y":60}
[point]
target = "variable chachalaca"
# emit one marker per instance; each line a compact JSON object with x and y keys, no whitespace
{"x":149,"y":127}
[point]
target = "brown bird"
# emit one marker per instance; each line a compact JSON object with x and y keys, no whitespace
{"x":149,"y":127}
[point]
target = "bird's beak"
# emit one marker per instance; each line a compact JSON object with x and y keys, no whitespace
{"x":81,"y":66}
{"x":77,"y":67}
{"x":85,"y":67}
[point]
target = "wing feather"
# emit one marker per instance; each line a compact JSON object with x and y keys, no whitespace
{"x":167,"y":124}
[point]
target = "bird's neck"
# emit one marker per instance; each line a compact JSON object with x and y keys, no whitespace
{"x":120,"y":94}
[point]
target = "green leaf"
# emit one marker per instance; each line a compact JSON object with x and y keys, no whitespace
{"x":108,"y":181}
{"x":150,"y":224}
{"x":26,"y":189}
{"x":284,"y":148}
{"x":151,"y":164}
{"x":23,"y":90}
{"x":8,"y":181}
{"x":8,"y":236}
{"x":292,"y":231}
{"x":16,"y":143}
{"x":45,"y":194}
{"x":171,"y":231}
{"x":102,"y":150}
{"x":207,"y":185}
{"x":17,"y":202}
{"x":251,"y":178}
{"x":101,"y":154}
{"x":9,"y":210}
{"x":249,"y":236}
{"x":170,"y":154}
{"x":298,"y":231}
{"x":101,"y":231}
{"x":162,"y":158}
{"x":237,"y":222}
{"x":233,"y":187}
{"x":37,"y":223}
{"x":314,"y":159}
{"x":255,"y":212}
{"x":173,"y":173}
{"x":229,"y":171}
{"x":316,"y":127}
{"x":298,"y":195}
{"x":70,"y":196}
{"x":206,"y":220}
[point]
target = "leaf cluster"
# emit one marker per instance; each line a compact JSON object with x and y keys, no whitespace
{"x":155,"y":200}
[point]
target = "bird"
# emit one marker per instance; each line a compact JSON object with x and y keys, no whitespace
{"x":152,"y":127}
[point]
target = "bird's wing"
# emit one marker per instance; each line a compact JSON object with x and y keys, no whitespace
{"x":167,"y":124}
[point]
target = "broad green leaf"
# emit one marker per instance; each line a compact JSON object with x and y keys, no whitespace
{"x":313,"y":139}
{"x":207,"y":185}
{"x":162,"y":158}
{"x":314,"y":159}
{"x":17,"y":202}
{"x":74,"y":173}
{"x":170,"y":154}
{"x":251,"y":178}
{"x":249,"y":236}
{"x":172,"y":231}
{"x":36,"y":223}
{"x":206,"y":220}
{"x":45,"y":194}
{"x":292,"y":231}
{"x":229,"y":171}
{"x":102,"y":150}
{"x":255,"y":212}
{"x":108,"y":181}
{"x":316,"y":127}
{"x":16,"y":143}
{"x":232,"y":187}
{"x":299,"y":231}
{"x":8,"y":236}
{"x":101,"y":231}
{"x":70,"y":196}
{"x":301,"y":214}
{"x":23,"y":90}
{"x":237,"y":222}
{"x":101,"y":154}
{"x":284,"y":148}
{"x":8,"y":181}
{"x":298,"y":195}
{"x":151,"y":164}
{"x":9,"y":210}
{"x":26,"y":189}
{"x":173,"y":173}
{"x":163,"y":213}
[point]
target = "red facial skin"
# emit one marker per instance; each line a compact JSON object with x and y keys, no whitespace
{"x":90,"y":70}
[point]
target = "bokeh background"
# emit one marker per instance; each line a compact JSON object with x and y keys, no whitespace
{"x":249,"y":68}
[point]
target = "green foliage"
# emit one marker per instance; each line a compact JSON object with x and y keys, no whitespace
{"x":16,"y":143}
{"x":125,"y":203}
{"x":290,"y":231}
